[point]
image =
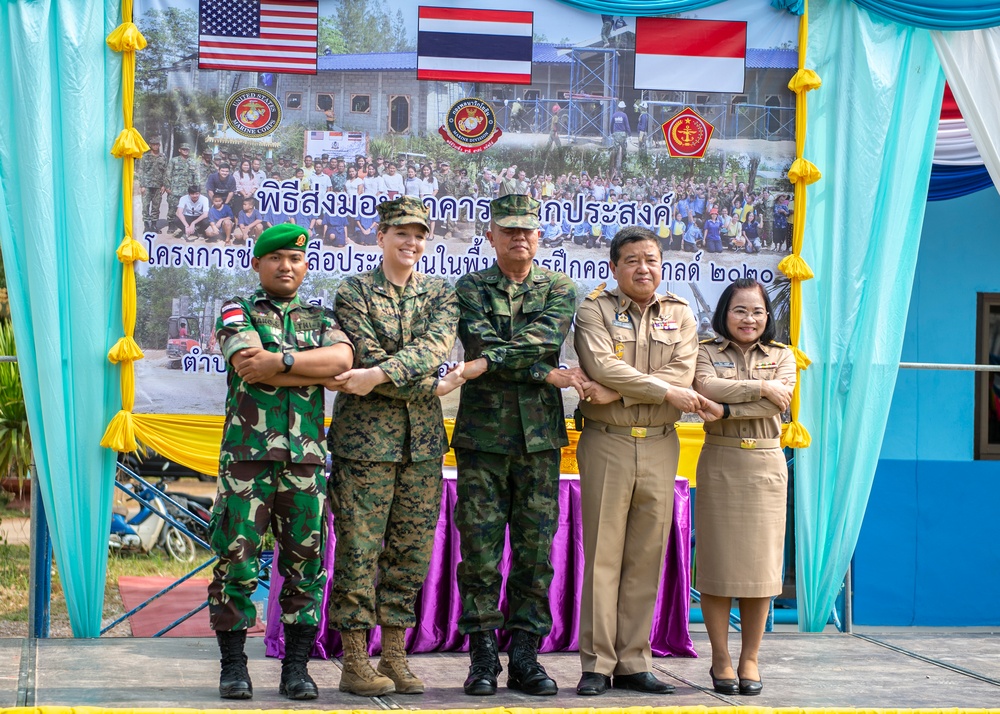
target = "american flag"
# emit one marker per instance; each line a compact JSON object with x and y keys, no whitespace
{"x":258,"y":35}
{"x":474,"y":45}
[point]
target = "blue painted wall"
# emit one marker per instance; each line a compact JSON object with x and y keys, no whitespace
{"x":929,"y":551}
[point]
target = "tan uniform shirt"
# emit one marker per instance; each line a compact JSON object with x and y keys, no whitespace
{"x":639,"y":354}
{"x":727,"y":375}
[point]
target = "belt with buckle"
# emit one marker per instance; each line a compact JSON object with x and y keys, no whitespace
{"x":742,"y":442}
{"x":636,"y":432}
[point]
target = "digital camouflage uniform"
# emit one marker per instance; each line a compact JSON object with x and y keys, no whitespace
{"x":151,"y":172}
{"x":385,"y":489}
{"x":507,"y":440}
{"x":181,"y":174}
{"x":271,"y":466}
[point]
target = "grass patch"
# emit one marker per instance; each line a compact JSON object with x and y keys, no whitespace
{"x":15,"y":564}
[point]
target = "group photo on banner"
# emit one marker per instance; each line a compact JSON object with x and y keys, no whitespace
{"x":586,"y":113}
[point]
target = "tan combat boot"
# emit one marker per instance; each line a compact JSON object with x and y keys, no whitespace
{"x":393,"y":663}
{"x":359,"y":677}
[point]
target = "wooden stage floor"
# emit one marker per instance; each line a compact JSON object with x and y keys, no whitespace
{"x":876,"y":670}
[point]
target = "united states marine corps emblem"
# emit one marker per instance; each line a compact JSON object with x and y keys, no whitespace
{"x":252,"y":113}
{"x":470,"y":126}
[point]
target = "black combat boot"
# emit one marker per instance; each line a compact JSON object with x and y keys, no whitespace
{"x":295,"y":680}
{"x":234,"y":682}
{"x":523,"y":671}
{"x":485,"y":657}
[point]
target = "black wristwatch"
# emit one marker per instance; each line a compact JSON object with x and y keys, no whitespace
{"x":287,"y":359}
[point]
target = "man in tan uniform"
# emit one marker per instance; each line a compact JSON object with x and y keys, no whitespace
{"x":639,"y":348}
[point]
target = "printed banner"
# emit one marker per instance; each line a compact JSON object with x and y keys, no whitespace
{"x":453,"y":101}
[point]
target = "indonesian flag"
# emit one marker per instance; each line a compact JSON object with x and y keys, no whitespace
{"x":690,"y":55}
{"x":232,"y":314}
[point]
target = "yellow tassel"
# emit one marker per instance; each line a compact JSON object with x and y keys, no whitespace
{"x":801,"y":360}
{"x":795,"y":436}
{"x":795,"y":267}
{"x":804,"y":170}
{"x":125,"y":350}
{"x":129,"y":144}
{"x":131,"y":250}
{"x":120,"y":434}
{"x":126,"y":38}
{"x":804,"y":81}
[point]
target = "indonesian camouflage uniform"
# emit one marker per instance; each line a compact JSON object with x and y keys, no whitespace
{"x":271,"y":466}
{"x":507,"y":440}
{"x":385,"y":485}
{"x":151,"y":171}
{"x":181,"y":174}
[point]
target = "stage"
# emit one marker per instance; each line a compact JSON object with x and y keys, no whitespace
{"x":899,"y":669}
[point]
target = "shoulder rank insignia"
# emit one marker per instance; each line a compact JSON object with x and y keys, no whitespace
{"x":597,"y":291}
{"x":779,"y":344}
{"x":709,"y":341}
{"x":676,"y":298}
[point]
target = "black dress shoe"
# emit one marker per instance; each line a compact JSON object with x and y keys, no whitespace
{"x":642,"y":682}
{"x":593,"y":684}
{"x":750,"y":687}
{"x":724,"y":686}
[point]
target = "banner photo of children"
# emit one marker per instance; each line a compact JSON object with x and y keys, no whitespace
{"x":312,"y":113}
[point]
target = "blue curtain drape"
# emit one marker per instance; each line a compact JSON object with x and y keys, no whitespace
{"x":872,"y":128}
{"x":949,"y":182}
{"x":938,"y":14}
{"x":60,"y":198}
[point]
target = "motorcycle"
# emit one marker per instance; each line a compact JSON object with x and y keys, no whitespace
{"x":195,"y":512}
{"x":147,"y":529}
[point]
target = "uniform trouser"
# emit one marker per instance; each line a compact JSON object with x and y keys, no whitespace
{"x":384,"y":518}
{"x":494,"y":491}
{"x":290,"y":499}
{"x":627,"y":500}
{"x":151,"y":204}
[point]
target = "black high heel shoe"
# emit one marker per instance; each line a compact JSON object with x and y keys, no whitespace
{"x":750,"y":687}
{"x":724,"y":686}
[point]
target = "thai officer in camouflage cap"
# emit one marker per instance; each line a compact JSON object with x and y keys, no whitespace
{"x":151,"y":172}
{"x":279,"y":351}
{"x":514,"y":319}
{"x":640,"y":348}
{"x":387,"y":440}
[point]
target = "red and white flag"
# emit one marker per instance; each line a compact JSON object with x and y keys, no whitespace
{"x":690,"y":55}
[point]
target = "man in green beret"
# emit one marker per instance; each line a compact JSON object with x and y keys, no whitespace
{"x":279,"y":350}
{"x":514,"y":319}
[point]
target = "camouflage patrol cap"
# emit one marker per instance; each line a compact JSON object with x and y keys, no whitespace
{"x":515,"y":211}
{"x":403,"y":211}
{"x":155,"y":140}
{"x":185,"y":145}
{"x":284,"y":236}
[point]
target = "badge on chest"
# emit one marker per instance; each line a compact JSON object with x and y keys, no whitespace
{"x":622,"y":320}
{"x":664,"y":323}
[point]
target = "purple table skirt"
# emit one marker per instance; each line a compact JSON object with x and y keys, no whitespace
{"x":438,"y":605}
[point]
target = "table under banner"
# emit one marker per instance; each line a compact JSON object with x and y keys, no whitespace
{"x":438,"y":605}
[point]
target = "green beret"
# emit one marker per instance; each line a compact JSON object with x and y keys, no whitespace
{"x":515,"y":211}
{"x":282,"y":236}
{"x":403,"y":211}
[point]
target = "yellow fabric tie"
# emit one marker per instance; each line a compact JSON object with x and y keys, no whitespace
{"x":129,"y":145}
{"x":802,"y":361}
{"x":126,"y":38}
{"x":804,"y":170}
{"x":131,"y":250}
{"x":795,"y":435}
{"x":125,"y":350}
{"x":805,"y":80}
{"x":120,"y":434}
{"x":795,"y":267}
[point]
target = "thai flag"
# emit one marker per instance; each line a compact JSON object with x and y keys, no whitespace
{"x":466,"y":45}
{"x":690,"y":55}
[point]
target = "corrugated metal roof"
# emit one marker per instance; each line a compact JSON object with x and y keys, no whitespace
{"x":543,"y":53}
{"x":772,"y":59}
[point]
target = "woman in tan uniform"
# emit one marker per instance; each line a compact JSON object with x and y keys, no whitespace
{"x":742,"y":477}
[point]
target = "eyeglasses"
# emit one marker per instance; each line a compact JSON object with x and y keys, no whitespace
{"x":741,"y":313}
